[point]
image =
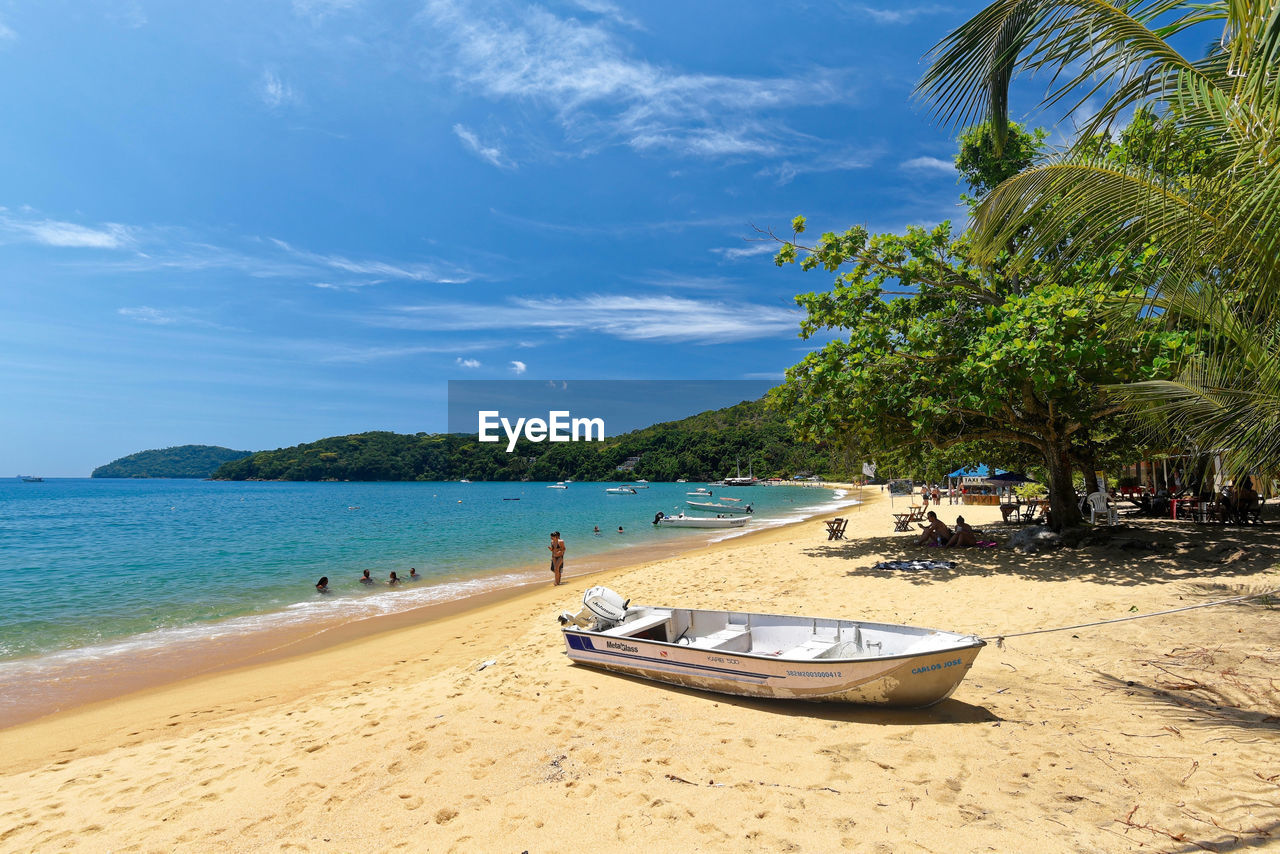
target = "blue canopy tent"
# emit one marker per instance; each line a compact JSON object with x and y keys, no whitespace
{"x":972,"y":472}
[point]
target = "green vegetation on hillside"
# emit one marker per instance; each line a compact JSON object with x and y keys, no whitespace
{"x":189,"y":461}
{"x":703,"y":447}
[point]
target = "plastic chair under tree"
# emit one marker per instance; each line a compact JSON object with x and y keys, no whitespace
{"x":1098,"y":507}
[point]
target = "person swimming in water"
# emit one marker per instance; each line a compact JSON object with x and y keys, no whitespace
{"x":366,"y":578}
{"x":392,"y":580}
{"x":413,"y":575}
{"x":322,"y":586}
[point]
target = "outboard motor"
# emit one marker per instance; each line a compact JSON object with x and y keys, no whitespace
{"x":658,"y":518}
{"x":602,"y":609}
{"x":749,"y":509}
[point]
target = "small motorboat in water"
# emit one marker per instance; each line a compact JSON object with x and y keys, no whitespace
{"x":769,"y":655}
{"x":715,"y":507}
{"x":560,"y":484}
{"x":683,"y":521}
{"x":620,"y":490}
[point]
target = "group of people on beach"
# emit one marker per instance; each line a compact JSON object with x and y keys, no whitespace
{"x":936,"y":533}
{"x":322,"y":586}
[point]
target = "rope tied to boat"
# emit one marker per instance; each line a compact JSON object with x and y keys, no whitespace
{"x":999,"y":639}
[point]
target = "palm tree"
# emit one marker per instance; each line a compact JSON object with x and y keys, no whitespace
{"x":1214,"y":224}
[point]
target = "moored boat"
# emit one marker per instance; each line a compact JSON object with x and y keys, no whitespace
{"x":716,"y":507}
{"x":683,"y":521}
{"x":620,"y":490}
{"x":558,"y":485}
{"x":30,"y":478}
{"x":769,"y":655}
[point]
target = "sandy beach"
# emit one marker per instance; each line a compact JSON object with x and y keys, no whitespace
{"x":472,"y":732}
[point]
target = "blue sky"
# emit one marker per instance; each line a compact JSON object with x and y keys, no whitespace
{"x":258,"y":224}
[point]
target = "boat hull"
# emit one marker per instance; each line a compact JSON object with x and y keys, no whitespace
{"x":702,"y":522}
{"x":708,"y":507}
{"x":906,"y":681}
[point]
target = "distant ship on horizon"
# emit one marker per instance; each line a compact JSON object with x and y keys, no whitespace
{"x":30,"y":478}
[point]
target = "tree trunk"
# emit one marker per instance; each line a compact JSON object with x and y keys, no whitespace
{"x":1064,"y":510}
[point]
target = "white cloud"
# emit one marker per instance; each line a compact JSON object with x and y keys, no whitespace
{"x":901,"y":15}
{"x":600,"y":92}
{"x":632,"y":318}
{"x":438,"y":272}
{"x":69,"y":234}
{"x":928,"y":164}
{"x":147,"y":314}
{"x":273,"y":91}
{"x":158,"y":317}
{"x":751,"y":250}
{"x":318,"y":10}
{"x":844,"y":161}
{"x":6,"y":34}
{"x":468,"y":363}
{"x":518,"y":367}
{"x":609,"y":10}
{"x":489,"y":153}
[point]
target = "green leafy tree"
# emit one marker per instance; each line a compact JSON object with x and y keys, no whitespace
{"x":942,"y":350}
{"x":1201,"y":183}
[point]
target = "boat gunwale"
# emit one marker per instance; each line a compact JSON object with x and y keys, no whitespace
{"x":961,"y":644}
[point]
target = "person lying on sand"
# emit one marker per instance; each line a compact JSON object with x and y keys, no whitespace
{"x":935,"y":531}
{"x":963,"y":536}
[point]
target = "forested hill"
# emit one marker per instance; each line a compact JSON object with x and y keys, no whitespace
{"x":702,"y":447}
{"x":194,"y":461}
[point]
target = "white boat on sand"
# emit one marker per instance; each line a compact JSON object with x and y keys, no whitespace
{"x":714,"y":507}
{"x":683,"y":521}
{"x":769,"y":655}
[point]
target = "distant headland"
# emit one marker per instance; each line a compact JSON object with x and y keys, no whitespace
{"x":748,"y":437}
{"x":183,"y":461}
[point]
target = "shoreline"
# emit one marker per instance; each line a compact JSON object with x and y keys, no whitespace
{"x":474,"y":732}
{"x":89,"y":683}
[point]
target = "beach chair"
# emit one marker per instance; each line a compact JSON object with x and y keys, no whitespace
{"x":1098,"y":506}
{"x":835,"y":528}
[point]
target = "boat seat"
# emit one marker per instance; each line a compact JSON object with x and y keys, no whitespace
{"x":810,"y":648}
{"x":643,"y":624}
{"x":730,"y":638}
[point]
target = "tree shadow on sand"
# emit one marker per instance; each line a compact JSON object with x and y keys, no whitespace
{"x":1130,"y":554}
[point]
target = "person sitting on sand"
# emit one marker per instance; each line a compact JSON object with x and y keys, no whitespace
{"x":392,"y":580}
{"x":322,"y":586}
{"x":934,"y":532}
{"x":1247,"y":499}
{"x":366,"y":578}
{"x":413,"y":575}
{"x":963,"y":536}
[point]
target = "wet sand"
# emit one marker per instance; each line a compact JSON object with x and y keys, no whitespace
{"x":1160,"y":734}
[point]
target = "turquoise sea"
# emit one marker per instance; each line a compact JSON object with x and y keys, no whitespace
{"x":101,"y":570}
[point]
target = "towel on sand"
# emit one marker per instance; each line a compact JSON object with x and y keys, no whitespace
{"x":915,"y":564}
